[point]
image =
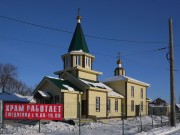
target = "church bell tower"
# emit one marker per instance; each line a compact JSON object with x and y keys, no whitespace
{"x":119,"y":70}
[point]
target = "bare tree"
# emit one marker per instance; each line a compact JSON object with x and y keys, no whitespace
{"x":7,"y":73}
{"x":9,"y":82}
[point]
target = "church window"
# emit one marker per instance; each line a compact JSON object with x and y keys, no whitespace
{"x":68,"y":61}
{"x":132,"y":91}
{"x":88,"y":62}
{"x":97,"y":104}
{"x":141,"y":105}
{"x":116,"y":105}
{"x":78,"y":60}
{"x":141,"y":93}
{"x":132,"y":105}
{"x":108,"y":104}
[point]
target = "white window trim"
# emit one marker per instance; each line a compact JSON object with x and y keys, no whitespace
{"x":132,"y":91}
{"x":97,"y":104}
{"x":88,"y":62}
{"x":142,"y":93}
{"x":78,"y":60}
{"x":116,"y":105}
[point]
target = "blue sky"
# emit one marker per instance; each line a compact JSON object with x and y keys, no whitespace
{"x":36,"y":52}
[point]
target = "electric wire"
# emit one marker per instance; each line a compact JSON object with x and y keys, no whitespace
{"x":91,"y":36}
{"x":97,"y":37}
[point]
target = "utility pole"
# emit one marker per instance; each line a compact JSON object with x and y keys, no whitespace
{"x":172,"y":93}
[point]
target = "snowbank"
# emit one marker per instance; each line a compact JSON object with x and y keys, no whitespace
{"x":102,"y":127}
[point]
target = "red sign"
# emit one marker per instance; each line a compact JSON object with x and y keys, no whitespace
{"x":33,"y":111}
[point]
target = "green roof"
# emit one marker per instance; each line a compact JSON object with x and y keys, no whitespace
{"x":78,"y":41}
{"x":62,"y":84}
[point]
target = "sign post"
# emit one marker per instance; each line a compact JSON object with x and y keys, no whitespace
{"x":1,"y":113}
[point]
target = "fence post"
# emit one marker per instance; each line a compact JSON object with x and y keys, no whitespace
{"x":140,"y":116}
{"x":161,"y":116}
{"x":122,"y":123}
{"x":152,"y":120}
{"x":2,"y":109}
{"x":39,"y":126}
{"x":79,"y":118}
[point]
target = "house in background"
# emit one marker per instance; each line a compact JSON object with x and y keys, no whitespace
{"x":77,"y":86}
{"x":159,"y":107}
{"x":12,"y":98}
{"x":135,"y":101}
{"x":177,"y":108}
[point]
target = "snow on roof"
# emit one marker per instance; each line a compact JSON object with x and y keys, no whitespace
{"x":123,"y":77}
{"x":152,"y":105}
{"x":52,"y":77}
{"x":44,"y":94}
{"x":96,"y":84}
{"x":68,"y":87}
{"x":178,"y":105}
{"x":5,"y":96}
{"x":114,"y":94}
{"x":21,"y":96}
{"x":76,"y":51}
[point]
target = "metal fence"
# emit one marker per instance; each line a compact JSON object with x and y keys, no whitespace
{"x":121,"y":125}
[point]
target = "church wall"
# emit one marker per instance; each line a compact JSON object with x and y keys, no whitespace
{"x":118,"y":86}
{"x":137,"y":99}
{"x":71,"y":105}
{"x":92,"y":103}
{"x":86,"y":75}
{"x":112,"y":112}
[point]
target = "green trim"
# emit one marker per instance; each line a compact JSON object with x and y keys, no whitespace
{"x":78,"y":41}
{"x":59,"y":83}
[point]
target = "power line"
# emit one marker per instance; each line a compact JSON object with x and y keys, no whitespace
{"x":91,"y":36}
{"x":36,"y":25}
{"x":102,"y":54}
{"x":32,"y":42}
{"x":148,"y":51}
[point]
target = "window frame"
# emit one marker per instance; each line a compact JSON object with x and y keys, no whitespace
{"x":141,"y":108}
{"x":68,"y":61}
{"x":132,"y":105}
{"x":141,"y":95}
{"x":88,"y":62}
{"x":108,"y":104}
{"x":132,"y":91}
{"x":78,"y":60}
{"x":116,"y":105}
{"x":97,"y":104}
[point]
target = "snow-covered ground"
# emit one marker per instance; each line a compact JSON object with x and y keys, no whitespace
{"x":102,"y":127}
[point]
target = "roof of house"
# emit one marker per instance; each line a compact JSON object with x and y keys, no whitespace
{"x":62,"y":84}
{"x":148,"y":99}
{"x":21,"y":96}
{"x":12,"y":97}
{"x":95,"y":84}
{"x":159,"y":101}
{"x":114,"y":94}
{"x":125,"y":78}
{"x":178,"y":106}
{"x":78,"y":41}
